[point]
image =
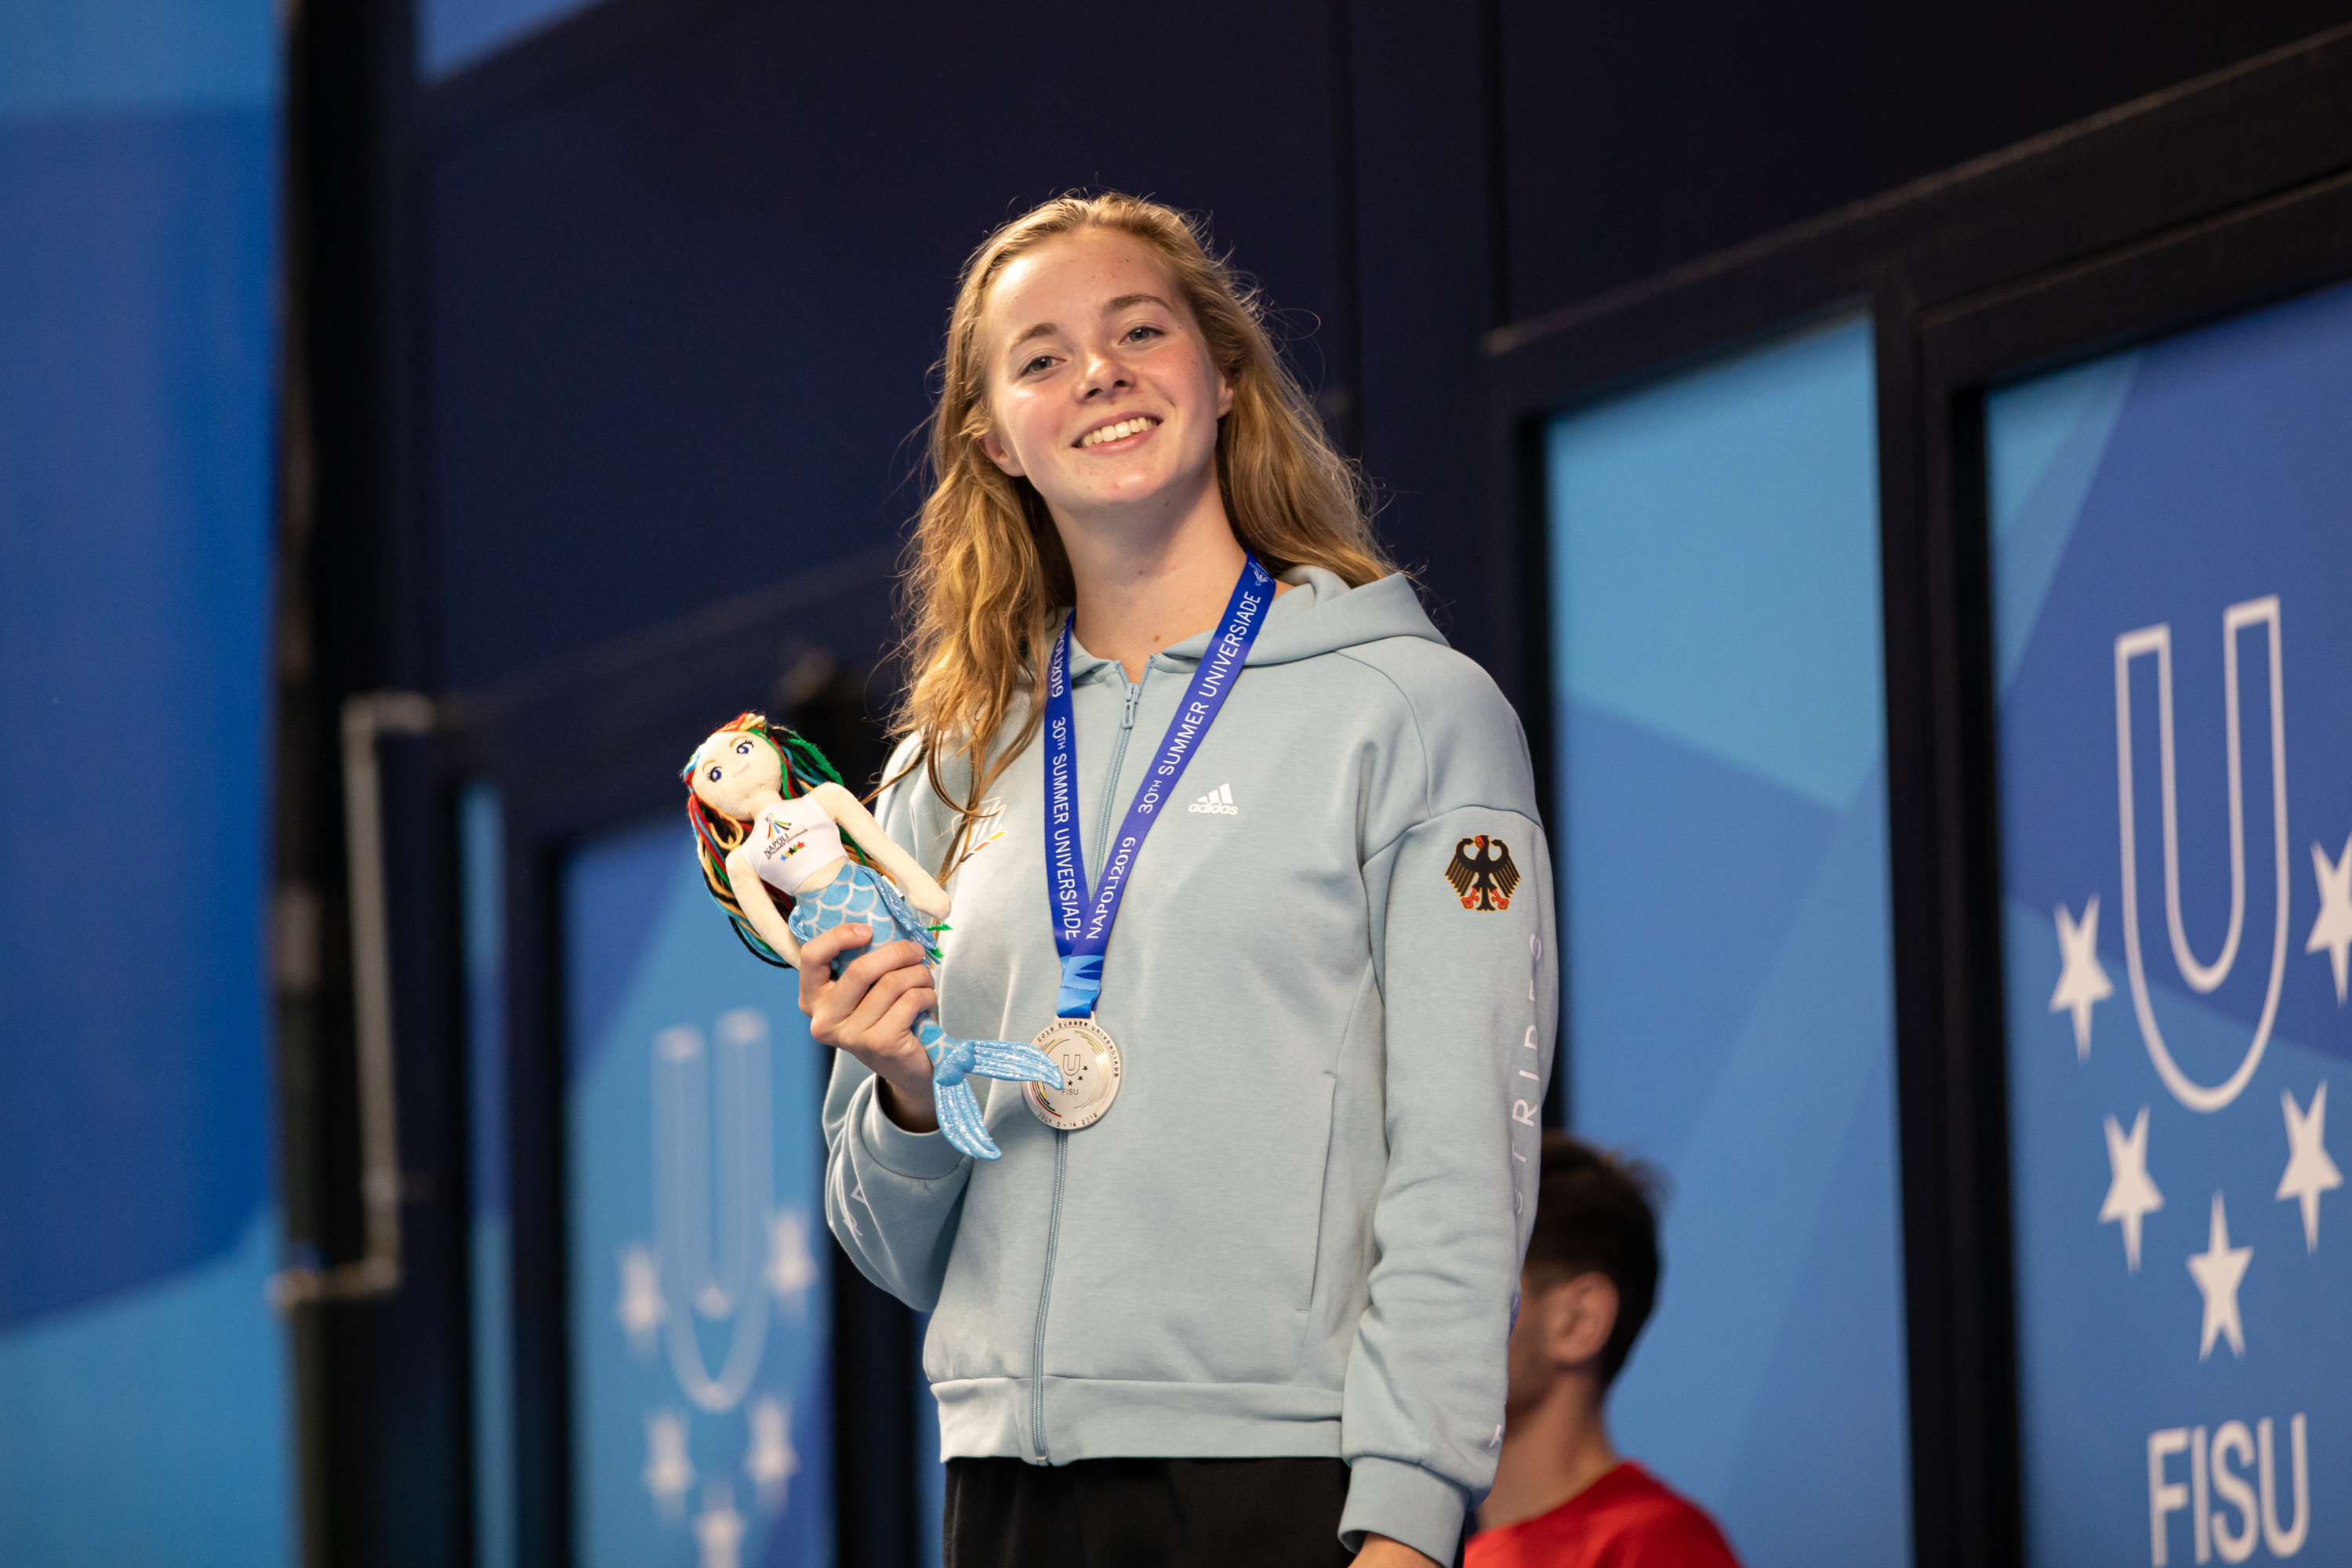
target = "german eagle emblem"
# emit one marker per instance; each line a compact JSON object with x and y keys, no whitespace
{"x":1483,"y":874}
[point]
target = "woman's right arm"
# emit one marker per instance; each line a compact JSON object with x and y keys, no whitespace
{"x":894,"y":1184}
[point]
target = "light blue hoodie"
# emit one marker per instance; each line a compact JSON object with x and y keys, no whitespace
{"x":1298,"y":1230}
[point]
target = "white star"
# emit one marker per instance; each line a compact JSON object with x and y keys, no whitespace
{"x":2332,"y":931}
{"x":668,"y":1472}
{"x":791,"y":1270}
{"x":2131,"y":1196}
{"x":2081,"y":982}
{"x":2309,"y":1171}
{"x":2217,"y":1269}
{"x":719,"y":1529}
{"x":772,"y":1461}
{"x":640,"y":1308}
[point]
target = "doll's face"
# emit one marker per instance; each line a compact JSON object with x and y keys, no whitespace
{"x":734,"y":772}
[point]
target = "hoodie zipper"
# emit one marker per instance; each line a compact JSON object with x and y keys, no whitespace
{"x":1062,"y":1140}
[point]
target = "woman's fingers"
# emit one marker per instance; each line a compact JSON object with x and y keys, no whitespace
{"x":870,"y":1008}
{"x":867,"y":986}
{"x":895,"y":1021}
{"x":828,"y":998}
{"x":888,"y":959}
{"x":817,"y":954}
{"x":867,"y":1020}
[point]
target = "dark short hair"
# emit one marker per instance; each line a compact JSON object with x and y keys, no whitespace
{"x":1597,"y":1213}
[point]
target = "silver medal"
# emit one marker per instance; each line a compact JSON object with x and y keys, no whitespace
{"x":1090,"y":1070}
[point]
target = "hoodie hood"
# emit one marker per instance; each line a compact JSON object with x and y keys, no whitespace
{"x":1320,"y":614}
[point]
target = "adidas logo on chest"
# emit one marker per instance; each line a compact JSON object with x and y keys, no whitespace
{"x":1218,"y":802}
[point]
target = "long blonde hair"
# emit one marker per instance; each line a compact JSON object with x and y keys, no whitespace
{"x":989,"y":579}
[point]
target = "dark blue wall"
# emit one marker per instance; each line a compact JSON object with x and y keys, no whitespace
{"x":683,"y":307}
{"x":1643,"y":136}
{"x":689,"y":260}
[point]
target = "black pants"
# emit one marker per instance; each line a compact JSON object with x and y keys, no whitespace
{"x":1145,"y":1513}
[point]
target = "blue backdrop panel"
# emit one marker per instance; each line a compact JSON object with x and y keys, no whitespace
{"x":1723,"y":838}
{"x":490,"y":1230}
{"x":142,"y":1376}
{"x":702,"y":1403}
{"x":2175,"y":970}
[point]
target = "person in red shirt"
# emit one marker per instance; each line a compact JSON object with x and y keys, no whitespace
{"x":1562,"y":1498}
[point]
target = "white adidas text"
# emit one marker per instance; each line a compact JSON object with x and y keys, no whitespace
{"x":1218,"y":802}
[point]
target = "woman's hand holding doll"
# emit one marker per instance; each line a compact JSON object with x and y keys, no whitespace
{"x":870,"y":1010}
{"x":767,"y":813}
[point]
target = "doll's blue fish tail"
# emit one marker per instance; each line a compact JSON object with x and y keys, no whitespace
{"x":989,"y":1058}
{"x":1011,"y":1059}
{"x":960,"y":1119}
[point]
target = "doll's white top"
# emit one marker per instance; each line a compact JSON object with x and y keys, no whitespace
{"x":793,"y":838}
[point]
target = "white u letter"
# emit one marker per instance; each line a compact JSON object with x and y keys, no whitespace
{"x":2284,"y":1542}
{"x":710,"y":1250}
{"x":2201,"y":977}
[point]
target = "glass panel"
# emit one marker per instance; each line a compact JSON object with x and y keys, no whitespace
{"x":2170,"y":560}
{"x":701,"y":1389}
{"x":1722,"y":839}
{"x":482,"y":833}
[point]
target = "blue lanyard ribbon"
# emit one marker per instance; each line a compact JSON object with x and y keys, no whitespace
{"x":1082,"y":929}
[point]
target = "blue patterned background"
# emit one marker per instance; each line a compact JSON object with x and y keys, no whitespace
{"x":1722,"y":828}
{"x":2164,"y":485}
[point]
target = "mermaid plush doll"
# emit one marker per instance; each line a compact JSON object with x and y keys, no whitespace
{"x":769,"y":812}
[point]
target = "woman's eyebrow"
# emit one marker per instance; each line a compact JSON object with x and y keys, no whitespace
{"x":1047,"y":329}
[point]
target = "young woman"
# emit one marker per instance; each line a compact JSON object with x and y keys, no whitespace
{"x":1256,"y":858}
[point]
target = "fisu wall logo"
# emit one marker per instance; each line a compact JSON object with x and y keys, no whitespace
{"x":2243,"y":1470}
{"x":2173,"y":558}
{"x":721,"y":1249}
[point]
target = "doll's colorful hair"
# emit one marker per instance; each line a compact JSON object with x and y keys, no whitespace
{"x":716,"y":834}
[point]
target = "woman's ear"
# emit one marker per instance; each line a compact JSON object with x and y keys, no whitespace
{"x":1225,"y":396}
{"x":998,"y":453}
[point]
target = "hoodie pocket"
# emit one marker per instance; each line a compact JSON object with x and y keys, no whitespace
{"x":1344,"y":1166}
{"x":1205,"y":1281}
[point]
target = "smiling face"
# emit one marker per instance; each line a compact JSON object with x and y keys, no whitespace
{"x":735,"y":772}
{"x":1099,"y":387}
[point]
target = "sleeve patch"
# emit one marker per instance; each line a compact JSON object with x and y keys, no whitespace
{"x":1482,"y":873}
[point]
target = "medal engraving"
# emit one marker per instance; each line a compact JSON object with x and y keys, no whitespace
{"x":1090,"y":1075}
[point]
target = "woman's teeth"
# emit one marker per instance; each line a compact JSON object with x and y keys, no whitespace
{"x":1116,"y":432}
